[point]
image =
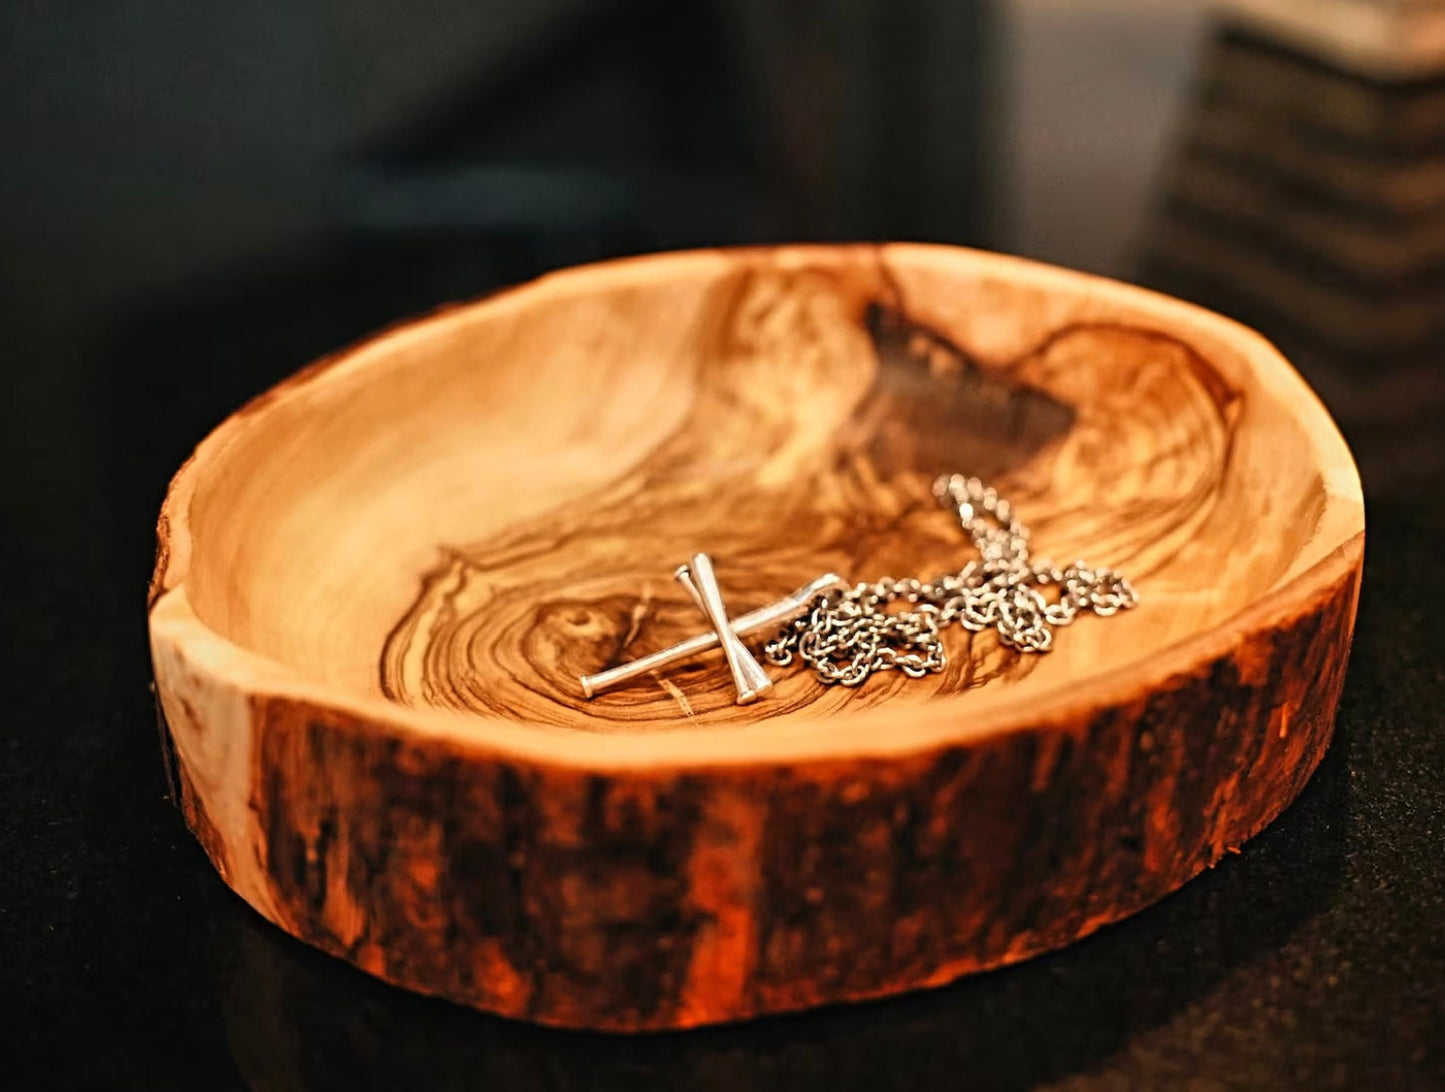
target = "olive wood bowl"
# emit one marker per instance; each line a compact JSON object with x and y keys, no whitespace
{"x":378,"y":583}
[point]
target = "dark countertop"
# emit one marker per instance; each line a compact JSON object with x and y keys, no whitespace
{"x":1313,"y":958}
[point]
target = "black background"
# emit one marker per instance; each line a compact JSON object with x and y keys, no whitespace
{"x":162,"y":262}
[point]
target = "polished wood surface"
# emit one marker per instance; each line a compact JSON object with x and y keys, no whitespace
{"x":377,"y":586}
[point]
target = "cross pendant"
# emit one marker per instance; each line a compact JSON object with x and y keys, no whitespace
{"x":749,"y":678}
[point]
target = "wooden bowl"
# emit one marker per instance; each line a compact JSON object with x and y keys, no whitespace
{"x":378,"y":583}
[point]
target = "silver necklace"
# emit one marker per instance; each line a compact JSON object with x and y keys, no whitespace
{"x":847,"y":633}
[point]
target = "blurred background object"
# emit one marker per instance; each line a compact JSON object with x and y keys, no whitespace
{"x":197,"y":199}
{"x":160,"y":143}
{"x":1308,"y":200}
{"x":1390,"y":39}
{"x":1088,"y":95}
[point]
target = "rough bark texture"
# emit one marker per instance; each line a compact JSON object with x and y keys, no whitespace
{"x":455,"y":819}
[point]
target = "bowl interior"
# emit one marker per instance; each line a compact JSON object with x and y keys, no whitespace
{"x":470,"y":511}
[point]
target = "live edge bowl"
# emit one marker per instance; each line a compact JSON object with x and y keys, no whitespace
{"x":378,"y":583}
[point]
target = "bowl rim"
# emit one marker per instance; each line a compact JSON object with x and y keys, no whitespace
{"x":234,"y":672}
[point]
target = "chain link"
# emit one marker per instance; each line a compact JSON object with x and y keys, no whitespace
{"x":848,"y":636}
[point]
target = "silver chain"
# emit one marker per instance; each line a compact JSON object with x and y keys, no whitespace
{"x":848,"y":636}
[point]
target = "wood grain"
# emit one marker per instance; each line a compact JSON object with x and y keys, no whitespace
{"x":377,"y":585}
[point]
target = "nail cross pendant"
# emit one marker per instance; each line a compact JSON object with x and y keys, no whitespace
{"x":748,"y":675}
{"x":700,"y":581}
